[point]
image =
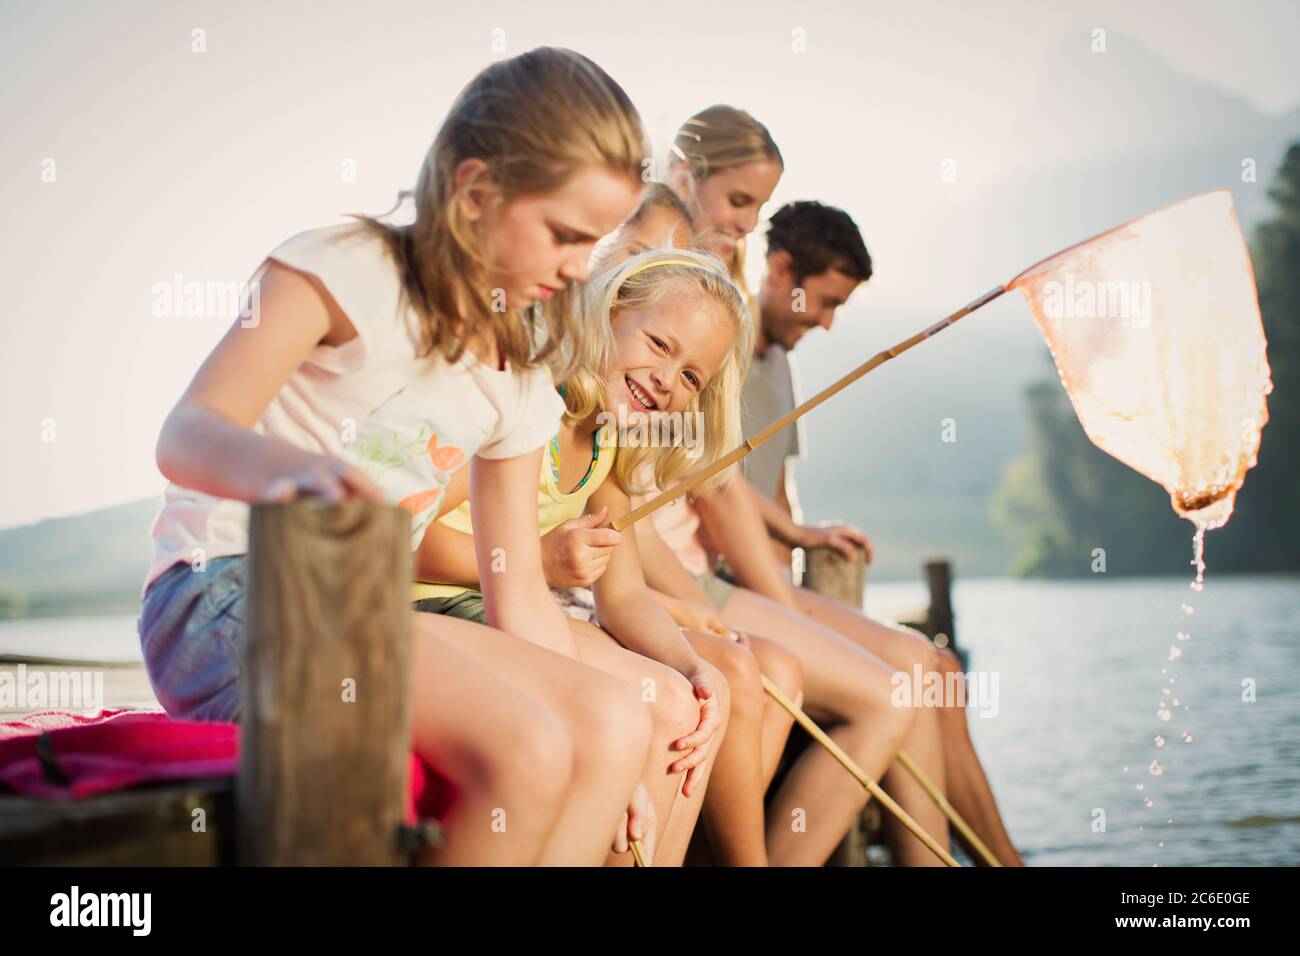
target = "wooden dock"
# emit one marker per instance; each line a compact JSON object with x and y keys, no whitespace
{"x":288,"y":764}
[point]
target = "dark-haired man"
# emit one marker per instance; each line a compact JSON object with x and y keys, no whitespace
{"x":816,"y":258}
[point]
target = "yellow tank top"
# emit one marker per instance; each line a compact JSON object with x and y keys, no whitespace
{"x":553,"y":508}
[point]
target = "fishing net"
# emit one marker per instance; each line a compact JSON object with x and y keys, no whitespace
{"x":1155,"y":330}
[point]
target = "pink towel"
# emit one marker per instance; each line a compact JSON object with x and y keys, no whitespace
{"x":61,"y":754}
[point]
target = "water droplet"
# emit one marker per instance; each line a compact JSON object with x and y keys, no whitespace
{"x":1160,"y":742}
{"x":1156,"y":769}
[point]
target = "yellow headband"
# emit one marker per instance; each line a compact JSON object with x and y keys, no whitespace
{"x":663,"y":262}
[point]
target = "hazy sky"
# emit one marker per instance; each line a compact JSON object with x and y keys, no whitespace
{"x":165,"y":160}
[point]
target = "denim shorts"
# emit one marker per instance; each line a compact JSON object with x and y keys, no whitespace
{"x":192,"y":632}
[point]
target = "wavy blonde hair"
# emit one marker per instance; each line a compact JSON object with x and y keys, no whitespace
{"x":717,"y":138}
{"x":535,"y":120}
{"x":637,"y":283}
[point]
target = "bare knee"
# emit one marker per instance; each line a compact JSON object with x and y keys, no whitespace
{"x":740,"y":669}
{"x":890,"y":718}
{"x":615,"y":726}
{"x":918,"y":650}
{"x":674,"y":708}
{"x":536,"y":767}
{"x":779,"y":665}
{"x":949,"y":662}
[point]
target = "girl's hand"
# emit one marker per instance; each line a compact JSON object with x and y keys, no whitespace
{"x":638,"y":823}
{"x":330,"y":479}
{"x":698,"y":617}
{"x":697,"y":742}
{"x":844,"y":538}
{"x":576,"y":552}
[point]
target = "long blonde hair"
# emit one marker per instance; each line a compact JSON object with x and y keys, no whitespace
{"x":634,"y":284}
{"x":535,"y":120}
{"x":717,"y":138}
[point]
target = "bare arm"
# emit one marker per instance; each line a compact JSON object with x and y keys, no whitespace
{"x":663,"y":571}
{"x":626,"y":608}
{"x":736,"y":529}
{"x":629,"y":612}
{"x":507,"y":544}
{"x":207,"y":442}
{"x":445,"y":555}
{"x":777,"y":519}
{"x":776,"y":516}
{"x":574,"y":552}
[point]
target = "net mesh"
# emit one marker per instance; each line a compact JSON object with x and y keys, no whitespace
{"x":1156,"y":333}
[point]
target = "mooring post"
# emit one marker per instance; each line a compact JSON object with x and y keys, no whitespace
{"x":940,"y":623}
{"x":833,"y":575}
{"x":326,"y":710}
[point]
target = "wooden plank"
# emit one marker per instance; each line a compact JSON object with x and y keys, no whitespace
{"x":181,"y":824}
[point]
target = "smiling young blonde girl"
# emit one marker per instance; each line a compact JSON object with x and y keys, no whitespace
{"x":425,"y":339}
{"x":663,"y":338}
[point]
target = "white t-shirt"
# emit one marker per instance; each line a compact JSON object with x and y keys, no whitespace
{"x":408,"y":422}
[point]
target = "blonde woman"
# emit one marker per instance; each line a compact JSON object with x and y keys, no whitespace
{"x":724,"y":165}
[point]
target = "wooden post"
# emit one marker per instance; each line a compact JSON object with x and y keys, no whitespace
{"x":831,"y":574}
{"x":940,"y":624}
{"x":326,"y":710}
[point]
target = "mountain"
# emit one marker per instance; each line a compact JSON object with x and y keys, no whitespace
{"x":87,"y":563}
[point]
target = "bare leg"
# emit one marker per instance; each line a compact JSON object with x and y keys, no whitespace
{"x":925,"y":748}
{"x":783,"y":669}
{"x":733,"y":806}
{"x":843,"y":682}
{"x":508,"y":755}
{"x":606,"y":720}
{"x":675,"y":712}
{"x":968,"y":788}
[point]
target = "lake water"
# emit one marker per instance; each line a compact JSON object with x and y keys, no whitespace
{"x":1079,"y":668}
